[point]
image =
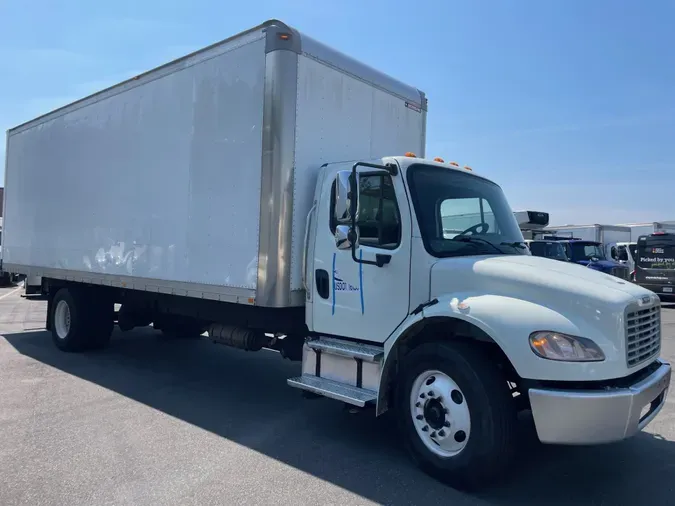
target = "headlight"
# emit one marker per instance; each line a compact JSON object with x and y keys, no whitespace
{"x":557,"y":346}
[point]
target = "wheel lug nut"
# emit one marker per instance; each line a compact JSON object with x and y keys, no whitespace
{"x":441,"y":433}
{"x":420,"y":417}
{"x":446,"y":424}
{"x":433,"y":434}
{"x":422,"y":396}
{"x":425,"y":428}
{"x":418,"y":404}
{"x":431,"y":393}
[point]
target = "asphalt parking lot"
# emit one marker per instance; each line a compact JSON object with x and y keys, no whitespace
{"x":153,"y":421}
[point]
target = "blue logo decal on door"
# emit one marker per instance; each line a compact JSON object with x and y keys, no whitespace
{"x":342,"y":286}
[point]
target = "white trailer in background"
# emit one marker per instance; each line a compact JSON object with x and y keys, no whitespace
{"x":248,"y":190}
{"x":638,"y":229}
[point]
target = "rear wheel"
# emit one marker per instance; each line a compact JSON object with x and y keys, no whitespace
{"x":456,"y":414}
{"x":80,"y":321}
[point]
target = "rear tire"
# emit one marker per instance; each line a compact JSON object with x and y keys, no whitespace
{"x":80,"y":322}
{"x":463,"y":433}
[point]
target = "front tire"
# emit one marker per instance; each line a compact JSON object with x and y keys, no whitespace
{"x":456,"y":414}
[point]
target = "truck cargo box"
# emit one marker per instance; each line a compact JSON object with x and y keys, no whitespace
{"x":196,"y":178}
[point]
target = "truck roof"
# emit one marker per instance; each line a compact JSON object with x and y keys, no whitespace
{"x":407,"y":160}
{"x":278,"y":35}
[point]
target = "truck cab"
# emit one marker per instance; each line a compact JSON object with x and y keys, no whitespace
{"x":625,"y":253}
{"x":423,"y":298}
{"x":547,"y":249}
{"x":591,"y":254}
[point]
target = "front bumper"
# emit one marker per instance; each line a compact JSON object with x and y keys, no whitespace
{"x":578,"y":417}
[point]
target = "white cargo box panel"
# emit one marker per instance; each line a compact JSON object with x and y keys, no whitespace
{"x":196,"y":178}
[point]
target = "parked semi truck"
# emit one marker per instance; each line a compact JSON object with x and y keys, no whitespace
{"x":594,"y":246}
{"x":212,"y":195}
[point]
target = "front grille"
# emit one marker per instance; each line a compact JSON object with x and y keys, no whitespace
{"x":643,"y":334}
{"x":620,"y":272}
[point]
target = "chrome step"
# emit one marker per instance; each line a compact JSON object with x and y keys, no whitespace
{"x":333,"y":389}
{"x":365,"y":352}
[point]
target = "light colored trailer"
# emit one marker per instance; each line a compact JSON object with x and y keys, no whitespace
{"x":199,"y":174}
{"x":638,"y":229}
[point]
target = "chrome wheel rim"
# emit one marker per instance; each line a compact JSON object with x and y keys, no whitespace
{"x":62,"y":319}
{"x":440,"y":413}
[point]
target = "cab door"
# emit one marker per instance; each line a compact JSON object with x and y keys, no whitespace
{"x":353,"y":298}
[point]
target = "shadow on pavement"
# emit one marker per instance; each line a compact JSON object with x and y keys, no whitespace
{"x":244,"y":397}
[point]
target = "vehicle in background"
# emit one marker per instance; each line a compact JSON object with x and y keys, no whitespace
{"x":6,"y":278}
{"x":547,"y":249}
{"x":246,"y":191}
{"x":531,"y":222}
{"x":591,"y":254}
{"x":607,"y":235}
{"x":625,"y":253}
{"x":638,"y":229}
{"x":655,"y":264}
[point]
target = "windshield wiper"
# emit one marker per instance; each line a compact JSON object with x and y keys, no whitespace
{"x":516,"y":244}
{"x":477,"y":240}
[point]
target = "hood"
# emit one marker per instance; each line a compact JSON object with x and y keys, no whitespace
{"x":537,"y":279}
{"x":603,"y":264}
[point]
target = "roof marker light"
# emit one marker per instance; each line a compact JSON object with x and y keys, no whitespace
{"x":468,"y":168}
{"x":410,"y":154}
{"x":439,"y":159}
{"x":455,"y":164}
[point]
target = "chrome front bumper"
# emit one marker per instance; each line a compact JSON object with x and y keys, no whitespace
{"x":578,"y":417}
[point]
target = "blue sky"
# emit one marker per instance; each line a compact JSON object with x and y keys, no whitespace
{"x":568,"y":104}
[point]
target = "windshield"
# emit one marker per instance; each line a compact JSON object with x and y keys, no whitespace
{"x":586,"y":251}
{"x":553,"y":250}
{"x":656,"y":252}
{"x":460,"y":214}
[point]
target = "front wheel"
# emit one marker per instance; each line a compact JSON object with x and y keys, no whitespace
{"x":456,"y":413}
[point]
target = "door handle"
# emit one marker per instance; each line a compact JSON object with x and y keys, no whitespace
{"x":322,"y":283}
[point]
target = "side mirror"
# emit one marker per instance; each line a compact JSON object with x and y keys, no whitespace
{"x":346,"y":197}
{"x":345,"y":238}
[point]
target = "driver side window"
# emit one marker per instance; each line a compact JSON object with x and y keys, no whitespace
{"x":379,"y":220}
{"x":461,"y":214}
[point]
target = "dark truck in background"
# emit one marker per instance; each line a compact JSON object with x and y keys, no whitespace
{"x":655,"y":263}
{"x":548,"y":249}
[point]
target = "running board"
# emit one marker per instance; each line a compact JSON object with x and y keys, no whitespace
{"x":332,"y":346}
{"x":333,"y":389}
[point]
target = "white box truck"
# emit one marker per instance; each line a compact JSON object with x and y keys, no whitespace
{"x":248,"y":190}
{"x":638,"y":229}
